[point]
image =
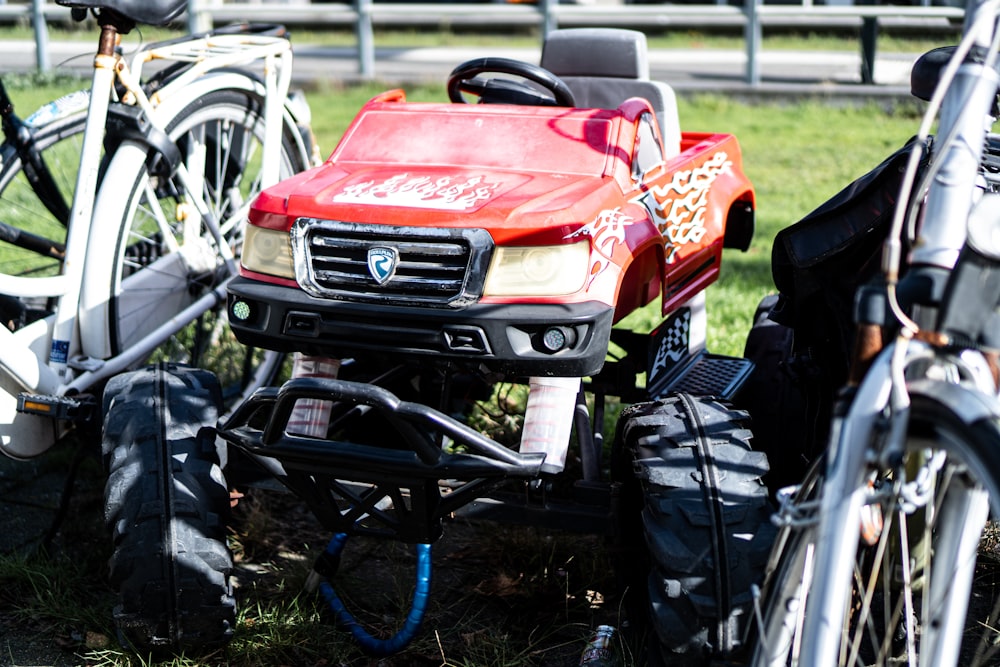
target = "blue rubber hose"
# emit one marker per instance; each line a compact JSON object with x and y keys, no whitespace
{"x":418,"y":607}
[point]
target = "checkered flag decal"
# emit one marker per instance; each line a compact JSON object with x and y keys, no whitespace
{"x":674,"y":340}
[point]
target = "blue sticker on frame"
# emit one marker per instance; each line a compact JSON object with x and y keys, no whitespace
{"x":60,"y":351}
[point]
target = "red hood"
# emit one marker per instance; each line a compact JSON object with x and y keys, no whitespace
{"x":507,"y":204}
{"x":504,"y":169}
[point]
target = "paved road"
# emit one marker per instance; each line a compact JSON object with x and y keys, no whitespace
{"x":692,"y":70}
{"x":781,"y":72}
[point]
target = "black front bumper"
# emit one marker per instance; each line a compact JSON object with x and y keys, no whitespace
{"x":507,"y":338}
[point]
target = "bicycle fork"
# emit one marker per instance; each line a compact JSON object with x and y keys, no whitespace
{"x":843,"y":497}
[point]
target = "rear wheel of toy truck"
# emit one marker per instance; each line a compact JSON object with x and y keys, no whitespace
{"x":166,"y":502}
{"x":692,"y":499}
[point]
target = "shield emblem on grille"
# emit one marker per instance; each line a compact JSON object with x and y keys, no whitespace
{"x":382,"y":263}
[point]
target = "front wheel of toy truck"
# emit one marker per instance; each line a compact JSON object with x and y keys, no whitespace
{"x":692,"y":498}
{"x":166,"y":503}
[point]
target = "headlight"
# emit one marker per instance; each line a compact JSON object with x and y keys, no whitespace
{"x":538,"y":271}
{"x":268,"y":251}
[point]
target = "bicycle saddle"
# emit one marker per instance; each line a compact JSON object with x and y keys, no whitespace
{"x":926,"y":71}
{"x":150,"y":12}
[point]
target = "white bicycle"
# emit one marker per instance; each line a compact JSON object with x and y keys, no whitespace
{"x":877,"y":559}
{"x":122,"y":210}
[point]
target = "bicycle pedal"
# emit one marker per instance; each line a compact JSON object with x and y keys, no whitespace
{"x":55,"y":407}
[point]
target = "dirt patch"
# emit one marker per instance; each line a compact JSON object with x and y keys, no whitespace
{"x":529,"y":593}
{"x":23,"y":647}
{"x":499,"y":595}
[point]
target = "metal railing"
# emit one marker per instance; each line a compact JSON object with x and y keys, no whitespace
{"x":547,"y":15}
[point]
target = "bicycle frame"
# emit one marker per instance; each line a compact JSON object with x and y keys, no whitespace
{"x":64,"y":354}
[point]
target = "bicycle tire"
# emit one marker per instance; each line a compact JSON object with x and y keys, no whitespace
{"x":694,"y":498}
{"x":946,"y":613}
{"x":787,"y":576}
{"x":150,"y":283}
{"x":58,"y":139}
{"x":166,"y":503}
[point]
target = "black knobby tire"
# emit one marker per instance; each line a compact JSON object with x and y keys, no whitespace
{"x":166,"y":503}
{"x":698,"y":484}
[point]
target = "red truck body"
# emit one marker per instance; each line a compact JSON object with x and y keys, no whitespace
{"x":529,"y":177}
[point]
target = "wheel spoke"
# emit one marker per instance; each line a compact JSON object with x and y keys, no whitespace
{"x":23,"y":211}
{"x":910,"y":590}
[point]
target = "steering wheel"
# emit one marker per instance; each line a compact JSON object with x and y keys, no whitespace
{"x":463,"y":79}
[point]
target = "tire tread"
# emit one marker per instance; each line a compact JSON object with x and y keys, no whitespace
{"x":166,"y":501}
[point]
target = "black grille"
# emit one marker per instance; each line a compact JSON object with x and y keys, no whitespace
{"x":436,"y":266}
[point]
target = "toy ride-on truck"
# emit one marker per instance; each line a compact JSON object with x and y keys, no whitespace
{"x":443,"y":251}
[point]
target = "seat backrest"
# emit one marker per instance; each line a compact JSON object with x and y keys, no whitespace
{"x":606,"y":66}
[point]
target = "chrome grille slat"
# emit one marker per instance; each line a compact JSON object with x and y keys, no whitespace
{"x":437,"y":248}
{"x":444,"y":267}
{"x":401,"y":284}
{"x":362,"y":265}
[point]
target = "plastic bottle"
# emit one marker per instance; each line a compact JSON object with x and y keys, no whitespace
{"x":548,"y":419}
{"x":599,"y":652}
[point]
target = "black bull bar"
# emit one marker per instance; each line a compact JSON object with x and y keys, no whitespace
{"x":401,"y":486}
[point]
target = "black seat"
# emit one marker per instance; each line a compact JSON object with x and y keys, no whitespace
{"x":604,"y":67}
{"x":149,"y":12}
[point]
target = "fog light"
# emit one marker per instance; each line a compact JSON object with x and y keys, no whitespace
{"x":557,"y":338}
{"x":241,"y":310}
{"x":553,"y":339}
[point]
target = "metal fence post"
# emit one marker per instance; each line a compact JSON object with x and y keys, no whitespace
{"x":366,"y":39}
{"x":752,"y":36}
{"x":549,"y":20}
{"x":199,"y":17}
{"x":869,"y":36}
{"x":41,"y":36}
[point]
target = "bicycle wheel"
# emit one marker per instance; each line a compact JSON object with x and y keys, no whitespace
{"x":787,"y":575}
{"x":33,"y":227}
{"x":921,"y":542}
{"x":165,"y":257}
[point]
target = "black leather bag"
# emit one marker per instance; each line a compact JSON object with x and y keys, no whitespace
{"x":819,"y":263}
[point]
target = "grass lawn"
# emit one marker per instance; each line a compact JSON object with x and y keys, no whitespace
{"x":797,"y":155}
